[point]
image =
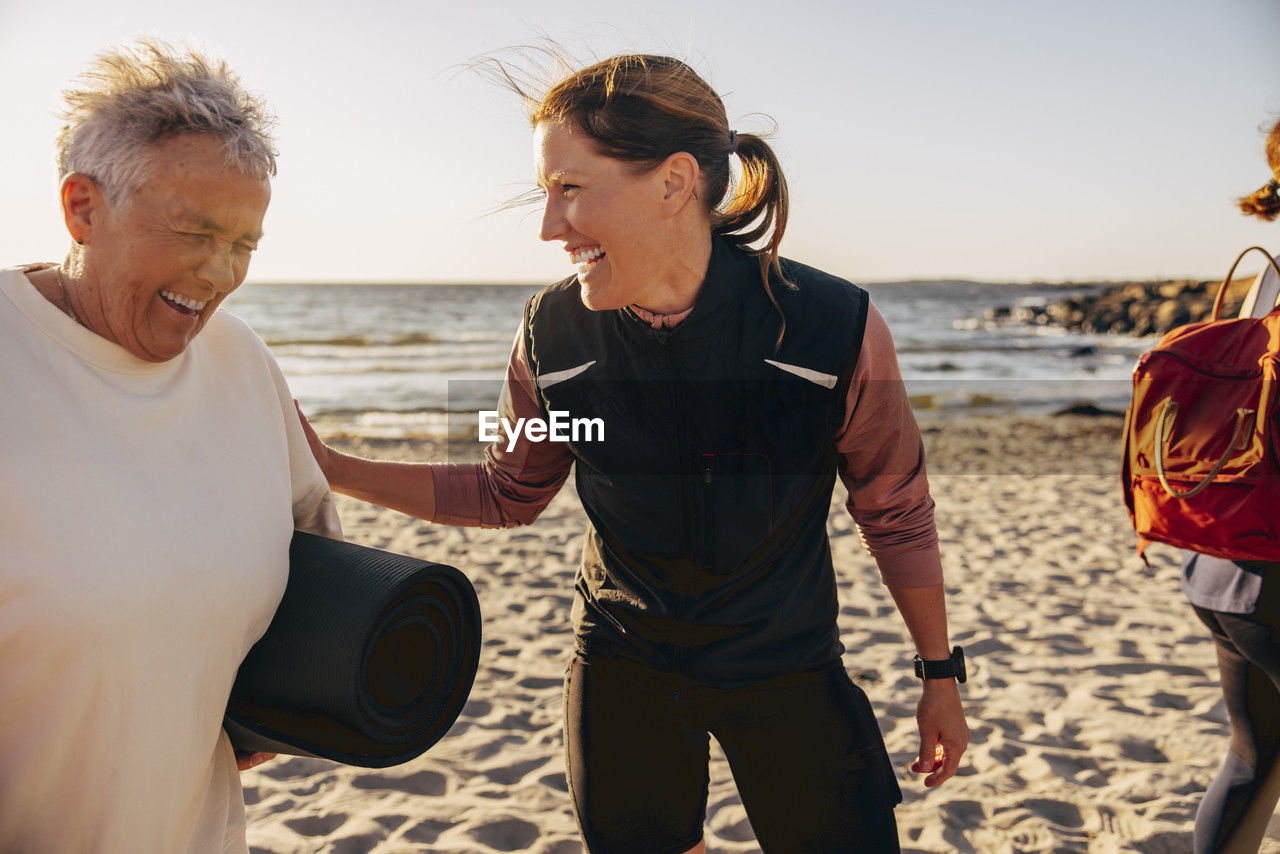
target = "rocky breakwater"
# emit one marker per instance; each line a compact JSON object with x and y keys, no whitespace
{"x":1130,"y":308}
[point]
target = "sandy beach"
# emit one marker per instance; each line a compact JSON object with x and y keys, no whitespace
{"x":1093,"y":692}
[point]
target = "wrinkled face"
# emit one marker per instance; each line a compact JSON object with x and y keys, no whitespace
{"x":158,"y":265}
{"x":605,"y":215}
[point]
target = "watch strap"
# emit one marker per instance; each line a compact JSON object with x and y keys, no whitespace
{"x":944,"y":668}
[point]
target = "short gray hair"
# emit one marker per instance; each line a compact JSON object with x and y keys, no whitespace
{"x":138,"y":95}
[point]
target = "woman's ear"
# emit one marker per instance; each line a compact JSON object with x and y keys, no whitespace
{"x":82,"y":201}
{"x":680,"y":174}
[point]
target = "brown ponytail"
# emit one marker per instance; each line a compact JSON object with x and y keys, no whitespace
{"x":1264,"y":202}
{"x":641,"y":109}
{"x":761,"y":194}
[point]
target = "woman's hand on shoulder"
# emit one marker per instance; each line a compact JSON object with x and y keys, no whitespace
{"x":326,"y":457}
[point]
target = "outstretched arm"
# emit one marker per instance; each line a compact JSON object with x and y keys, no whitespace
{"x":512,"y":485}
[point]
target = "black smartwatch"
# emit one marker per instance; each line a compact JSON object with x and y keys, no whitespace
{"x":942,"y":668}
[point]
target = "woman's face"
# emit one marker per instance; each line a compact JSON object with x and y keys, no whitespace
{"x":158,"y":264}
{"x":607,"y":217}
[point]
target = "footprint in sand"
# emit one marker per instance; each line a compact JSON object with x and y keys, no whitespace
{"x":1165,"y":842}
{"x":964,"y":813}
{"x":514,"y":772}
{"x":1036,"y":839}
{"x":1060,"y":813}
{"x":316,"y":825}
{"x":539,"y":683}
{"x":1164,"y":700}
{"x":361,"y":843}
{"x":427,"y":831}
{"x":307,"y":790}
{"x":730,"y":824}
{"x":476,"y":708}
{"x":483,"y":751}
{"x":1141,"y":751}
{"x":564,"y":846}
{"x":430,"y":783}
{"x":557,"y":781}
{"x":508,"y":834}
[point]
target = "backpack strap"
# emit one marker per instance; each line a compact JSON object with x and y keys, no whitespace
{"x":1222,"y":289}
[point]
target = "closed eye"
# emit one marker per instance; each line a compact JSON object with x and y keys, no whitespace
{"x":195,"y":237}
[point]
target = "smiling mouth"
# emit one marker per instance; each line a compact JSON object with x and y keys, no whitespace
{"x":586,"y":255}
{"x":185,"y":305}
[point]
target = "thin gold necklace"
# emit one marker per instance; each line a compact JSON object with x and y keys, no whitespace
{"x":70,"y":309}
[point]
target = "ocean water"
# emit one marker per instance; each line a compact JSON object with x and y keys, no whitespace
{"x":398,"y":360}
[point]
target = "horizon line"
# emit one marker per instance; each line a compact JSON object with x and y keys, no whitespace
{"x":957,"y":280}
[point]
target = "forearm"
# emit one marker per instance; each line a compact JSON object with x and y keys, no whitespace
{"x":924,"y":610}
{"x":509,"y":486}
{"x":407,"y":487}
{"x":944,"y":735}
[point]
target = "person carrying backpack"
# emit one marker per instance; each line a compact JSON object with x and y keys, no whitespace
{"x":1239,"y":601}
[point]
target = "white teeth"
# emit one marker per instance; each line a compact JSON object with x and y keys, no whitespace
{"x":582,"y":256}
{"x":185,"y":302}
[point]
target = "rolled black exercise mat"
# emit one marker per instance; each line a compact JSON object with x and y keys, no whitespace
{"x":368,"y":660}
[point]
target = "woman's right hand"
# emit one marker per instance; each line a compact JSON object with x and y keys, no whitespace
{"x":326,"y":457}
{"x":404,"y":486}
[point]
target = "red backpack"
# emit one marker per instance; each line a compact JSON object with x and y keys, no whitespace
{"x":1201,"y":439}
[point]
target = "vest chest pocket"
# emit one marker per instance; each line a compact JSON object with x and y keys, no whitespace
{"x":800,"y":414}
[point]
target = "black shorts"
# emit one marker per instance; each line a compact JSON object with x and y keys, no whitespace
{"x":804,"y":748}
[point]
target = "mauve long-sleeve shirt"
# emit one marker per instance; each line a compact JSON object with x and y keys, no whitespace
{"x":881,"y":463}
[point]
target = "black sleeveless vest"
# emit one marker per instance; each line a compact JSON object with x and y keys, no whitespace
{"x":707,"y":552}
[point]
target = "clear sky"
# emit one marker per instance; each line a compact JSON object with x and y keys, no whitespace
{"x":985,"y":139}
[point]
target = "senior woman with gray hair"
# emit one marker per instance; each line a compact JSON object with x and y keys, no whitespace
{"x":153,"y":470}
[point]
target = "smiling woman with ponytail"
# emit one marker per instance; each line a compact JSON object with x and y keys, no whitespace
{"x":734,"y":387}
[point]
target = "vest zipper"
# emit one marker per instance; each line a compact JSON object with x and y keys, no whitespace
{"x":685,"y":479}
